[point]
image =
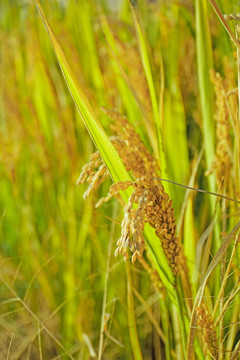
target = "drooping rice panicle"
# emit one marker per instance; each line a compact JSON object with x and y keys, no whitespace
{"x":134,"y":154}
{"x":223,"y":158}
{"x":208,"y":330}
{"x":154,"y":207}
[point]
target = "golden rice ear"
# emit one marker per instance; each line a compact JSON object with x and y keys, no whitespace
{"x":133,"y":153}
{"x":94,"y":173}
{"x":131,"y":148}
{"x":153,"y":207}
{"x":88,"y":169}
{"x":208,"y":330}
{"x":103,"y":200}
{"x":114,"y":189}
{"x":223,"y":157}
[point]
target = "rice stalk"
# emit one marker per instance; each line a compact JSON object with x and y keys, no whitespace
{"x":135,"y":345}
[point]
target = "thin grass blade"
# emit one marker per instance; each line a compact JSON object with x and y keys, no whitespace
{"x":153,"y":95}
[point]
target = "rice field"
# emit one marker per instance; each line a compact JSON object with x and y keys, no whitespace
{"x":119,"y":180}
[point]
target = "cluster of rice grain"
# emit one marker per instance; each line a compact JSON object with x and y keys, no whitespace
{"x":208,"y":329}
{"x":133,"y":153}
{"x":131,"y":149}
{"x":94,"y":173}
{"x":153,"y":204}
{"x":154,"y":207}
{"x":223,"y":157}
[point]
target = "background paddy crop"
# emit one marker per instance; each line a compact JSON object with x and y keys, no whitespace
{"x":54,"y":246}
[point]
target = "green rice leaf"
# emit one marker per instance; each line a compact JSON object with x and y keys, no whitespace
{"x":106,"y":149}
{"x":108,"y":153}
{"x":153,"y":96}
{"x":205,"y":64}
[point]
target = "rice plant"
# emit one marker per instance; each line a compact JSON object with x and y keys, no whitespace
{"x":120,"y":180}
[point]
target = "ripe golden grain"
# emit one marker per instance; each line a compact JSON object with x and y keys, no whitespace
{"x":148,"y":203}
{"x":135,"y":156}
{"x":206,"y":324}
{"x":153,"y":207}
{"x":223,"y":157}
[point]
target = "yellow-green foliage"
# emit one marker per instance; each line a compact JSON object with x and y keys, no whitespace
{"x":149,"y":87}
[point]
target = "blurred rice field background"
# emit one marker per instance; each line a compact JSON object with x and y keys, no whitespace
{"x":56,"y":249}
